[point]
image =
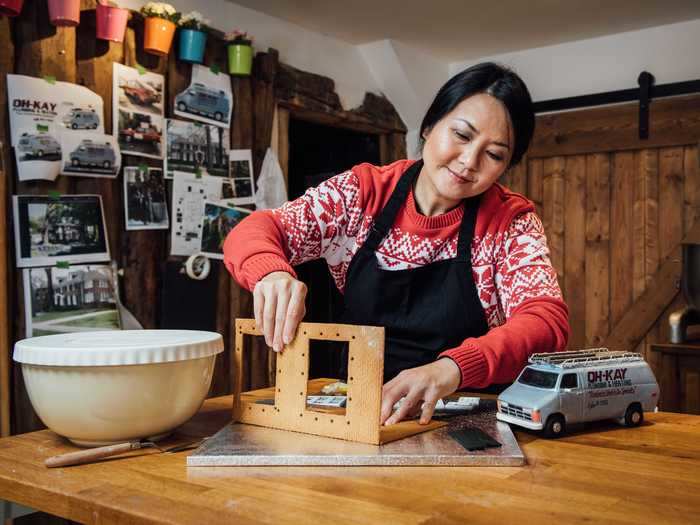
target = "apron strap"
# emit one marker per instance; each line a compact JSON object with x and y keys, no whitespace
{"x":386,"y":218}
{"x":466,"y":230}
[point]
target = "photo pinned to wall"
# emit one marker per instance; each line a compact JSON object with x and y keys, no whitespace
{"x":241,"y":176}
{"x":41,"y":110}
{"x":138,"y":90}
{"x":138,"y":111}
{"x":189,"y":196}
{"x":140,"y":135}
{"x":208,"y":98}
{"x":195,"y":147}
{"x":217,"y":222}
{"x":59,"y":229}
{"x":90,"y":155}
{"x":145,"y":206}
{"x":70,"y":299}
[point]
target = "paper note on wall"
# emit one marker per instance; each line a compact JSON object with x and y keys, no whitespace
{"x":189,"y":196}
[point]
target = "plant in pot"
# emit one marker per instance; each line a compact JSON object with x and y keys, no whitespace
{"x":111,"y":21}
{"x":240,"y":53}
{"x":159,"y":27}
{"x":64,"y":12}
{"x":10,"y":7}
{"x":193,"y":37}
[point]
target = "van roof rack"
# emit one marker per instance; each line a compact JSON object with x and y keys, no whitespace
{"x":588,"y":356}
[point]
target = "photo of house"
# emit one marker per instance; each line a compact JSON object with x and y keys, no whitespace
{"x":193,"y":146}
{"x":68,"y":228}
{"x":78,"y":298}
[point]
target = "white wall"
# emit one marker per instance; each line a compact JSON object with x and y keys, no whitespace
{"x":298,"y":47}
{"x":670,"y":53}
{"x":409,"y":78}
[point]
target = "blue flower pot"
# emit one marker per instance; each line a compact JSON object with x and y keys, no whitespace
{"x":192,"y":43}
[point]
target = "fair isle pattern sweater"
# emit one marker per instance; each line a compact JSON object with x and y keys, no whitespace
{"x":515,"y":280}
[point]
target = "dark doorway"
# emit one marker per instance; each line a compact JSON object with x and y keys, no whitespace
{"x":316,"y":153}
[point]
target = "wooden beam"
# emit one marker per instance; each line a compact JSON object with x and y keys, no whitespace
{"x":672,"y":122}
{"x":6,"y":66}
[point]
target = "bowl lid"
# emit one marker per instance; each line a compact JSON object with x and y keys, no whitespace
{"x":117,"y":347}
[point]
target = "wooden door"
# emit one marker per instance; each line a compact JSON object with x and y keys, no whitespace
{"x":615,"y":209}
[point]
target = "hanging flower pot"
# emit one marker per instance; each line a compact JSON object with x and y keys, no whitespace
{"x":10,"y":7}
{"x":159,"y":27}
{"x":64,"y":12}
{"x":240,"y":53}
{"x":192,"y":44}
{"x":111,"y":22}
{"x":193,"y":38}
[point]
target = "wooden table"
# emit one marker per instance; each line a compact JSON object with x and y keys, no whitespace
{"x":602,"y":474}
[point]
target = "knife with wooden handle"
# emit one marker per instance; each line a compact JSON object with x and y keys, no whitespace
{"x":91,"y":454}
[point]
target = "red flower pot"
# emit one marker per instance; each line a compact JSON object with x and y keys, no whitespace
{"x":64,"y":12}
{"x":111,"y":22}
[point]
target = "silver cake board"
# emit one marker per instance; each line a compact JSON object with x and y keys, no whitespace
{"x":247,"y":445}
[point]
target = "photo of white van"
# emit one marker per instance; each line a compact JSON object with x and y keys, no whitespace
{"x":81,"y":119}
{"x":562,"y":388}
{"x":202,"y":100}
{"x":38,"y":146}
{"x":91,"y":153}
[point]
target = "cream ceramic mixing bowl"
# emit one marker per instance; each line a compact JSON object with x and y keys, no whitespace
{"x":100,"y":388}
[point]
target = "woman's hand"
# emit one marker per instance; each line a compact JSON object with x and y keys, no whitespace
{"x":421,"y":386}
{"x":278,"y":303}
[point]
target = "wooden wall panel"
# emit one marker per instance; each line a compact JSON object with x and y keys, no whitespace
{"x":691,"y":188}
{"x":553,"y":211}
{"x":7,"y":64}
{"x":621,"y":221}
{"x":575,"y":248}
{"x":597,"y":257}
{"x":535,"y":185}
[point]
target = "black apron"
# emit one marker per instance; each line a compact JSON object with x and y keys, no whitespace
{"x":425,"y":310}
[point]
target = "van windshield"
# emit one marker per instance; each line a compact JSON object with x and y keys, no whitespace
{"x":538,"y":378}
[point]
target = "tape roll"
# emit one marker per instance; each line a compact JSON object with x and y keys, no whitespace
{"x":197,"y":267}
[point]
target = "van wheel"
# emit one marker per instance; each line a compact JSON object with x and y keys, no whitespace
{"x":107,"y":164}
{"x":74,"y":125}
{"x":181,"y":106}
{"x":555,"y":426}
{"x":634,"y":416}
{"x":75,"y":162}
{"x":219,"y":116}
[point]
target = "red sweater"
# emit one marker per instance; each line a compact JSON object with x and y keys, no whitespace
{"x":515,"y":280}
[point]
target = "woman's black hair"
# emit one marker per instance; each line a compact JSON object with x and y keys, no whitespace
{"x":497,"y":81}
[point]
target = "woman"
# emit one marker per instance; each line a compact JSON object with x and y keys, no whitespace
{"x":453,"y":265}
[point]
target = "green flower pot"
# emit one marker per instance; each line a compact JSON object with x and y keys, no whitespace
{"x":240,"y":59}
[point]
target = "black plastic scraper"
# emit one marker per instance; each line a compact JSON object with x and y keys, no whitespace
{"x":473,"y":438}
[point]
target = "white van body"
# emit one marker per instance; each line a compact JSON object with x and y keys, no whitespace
{"x":574,"y":387}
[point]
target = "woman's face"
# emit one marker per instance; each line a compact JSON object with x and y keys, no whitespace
{"x":464,"y":153}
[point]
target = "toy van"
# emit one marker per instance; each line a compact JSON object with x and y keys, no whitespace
{"x":81,"y":119}
{"x":38,"y":145}
{"x":90,"y":153}
{"x":203,"y":100}
{"x":560,"y":388}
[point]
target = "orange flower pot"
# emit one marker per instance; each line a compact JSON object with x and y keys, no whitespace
{"x":158,"y":35}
